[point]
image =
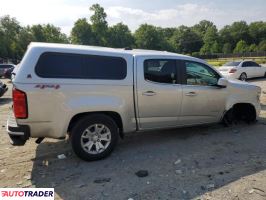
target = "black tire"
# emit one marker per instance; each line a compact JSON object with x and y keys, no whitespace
{"x":265,"y":75}
{"x":243,"y":76}
{"x":229,"y":118}
{"x":82,"y":125}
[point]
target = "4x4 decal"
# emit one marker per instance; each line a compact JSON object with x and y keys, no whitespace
{"x":43,"y":86}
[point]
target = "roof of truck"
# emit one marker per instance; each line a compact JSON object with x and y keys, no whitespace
{"x":104,"y":49}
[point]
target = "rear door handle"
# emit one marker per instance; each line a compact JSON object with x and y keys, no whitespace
{"x":191,"y":94}
{"x":149,"y":93}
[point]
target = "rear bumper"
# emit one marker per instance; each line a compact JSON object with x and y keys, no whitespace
{"x":230,"y":75}
{"x":18,"y":134}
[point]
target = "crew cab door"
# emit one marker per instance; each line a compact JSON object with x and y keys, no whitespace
{"x":203,"y":101}
{"x":158,"y":93}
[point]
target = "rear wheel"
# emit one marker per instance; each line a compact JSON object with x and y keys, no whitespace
{"x":94,"y":137}
{"x":243,"y":77}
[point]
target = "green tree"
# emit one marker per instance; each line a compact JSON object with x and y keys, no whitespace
{"x":210,"y":41}
{"x":215,"y":48}
{"x":38,"y":33}
{"x":3,"y":45}
{"x":253,"y":48}
{"x":24,"y":38}
{"x":120,"y":36}
{"x":227,"y":48}
{"x":262,"y":45}
{"x":185,"y":40}
{"x":53,"y":34}
{"x":99,"y":24}
{"x":202,"y":27}
{"x":241,"y":47}
{"x":9,"y":30}
{"x":148,"y":37}
{"x":257,"y":31}
{"x":240,"y":31}
{"x":167,"y":33}
{"x":48,"y":33}
{"x":15,"y":38}
{"x":82,"y":33}
{"x":225,"y":35}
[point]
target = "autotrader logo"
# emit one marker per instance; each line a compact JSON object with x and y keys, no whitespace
{"x":27,"y":193}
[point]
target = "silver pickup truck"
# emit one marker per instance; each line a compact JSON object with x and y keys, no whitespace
{"x":98,"y":94}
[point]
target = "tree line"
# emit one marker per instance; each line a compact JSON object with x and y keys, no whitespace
{"x":201,"y":39}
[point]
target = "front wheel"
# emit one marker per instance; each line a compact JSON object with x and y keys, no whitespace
{"x":243,"y":77}
{"x":94,"y":137}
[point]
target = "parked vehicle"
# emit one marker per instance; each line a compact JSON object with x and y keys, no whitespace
{"x":3,"y":89}
{"x":97,"y":94}
{"x":242,"y":70}
{"x":8,"y":72}
{"x":4,"y":68}
{"x":14,"y":72}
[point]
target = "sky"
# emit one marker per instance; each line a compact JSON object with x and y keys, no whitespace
{"x":164,"y":13}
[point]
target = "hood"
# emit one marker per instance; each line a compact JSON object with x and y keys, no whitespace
{"x":243,"y":85}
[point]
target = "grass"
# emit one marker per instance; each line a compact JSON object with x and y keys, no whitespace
{"x":220,"y":61}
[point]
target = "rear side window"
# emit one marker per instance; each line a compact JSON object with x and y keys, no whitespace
{"x":247,"y":64}
{"x":254,"y":64}
{"x":160,"y":71}
{"x":64,"y":65}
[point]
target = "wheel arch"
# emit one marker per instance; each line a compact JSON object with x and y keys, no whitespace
{"x":242,"y":108}
{"x":243,"y":73}
{"x":114,"y":115}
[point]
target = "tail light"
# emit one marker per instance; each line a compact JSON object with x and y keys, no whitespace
{"x":20,"y":104}
{"x":233,"y":70}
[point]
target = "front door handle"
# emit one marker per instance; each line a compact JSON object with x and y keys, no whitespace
{"x":149,"y":93}
{"x":191,"y":94}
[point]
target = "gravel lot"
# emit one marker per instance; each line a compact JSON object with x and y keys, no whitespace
{"x":208,"y":162}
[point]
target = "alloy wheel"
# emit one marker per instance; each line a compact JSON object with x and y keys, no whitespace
{"x":96,"y":138}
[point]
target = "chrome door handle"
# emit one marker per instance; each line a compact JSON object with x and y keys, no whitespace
{"x":191,"y":94}
{"x":149,"y":93}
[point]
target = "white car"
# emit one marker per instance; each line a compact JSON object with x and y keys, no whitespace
{"x":242,"y":70}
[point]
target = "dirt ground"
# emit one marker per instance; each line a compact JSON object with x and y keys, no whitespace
{"x":209,"y":162}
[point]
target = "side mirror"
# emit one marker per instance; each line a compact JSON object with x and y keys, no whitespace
{"x":222,"y":82}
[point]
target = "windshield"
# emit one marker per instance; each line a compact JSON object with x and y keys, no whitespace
{"x":232,"y":64}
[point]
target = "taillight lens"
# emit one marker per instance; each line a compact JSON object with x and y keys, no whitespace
{"x":20,"y":104}
{"x":233,"y":70}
